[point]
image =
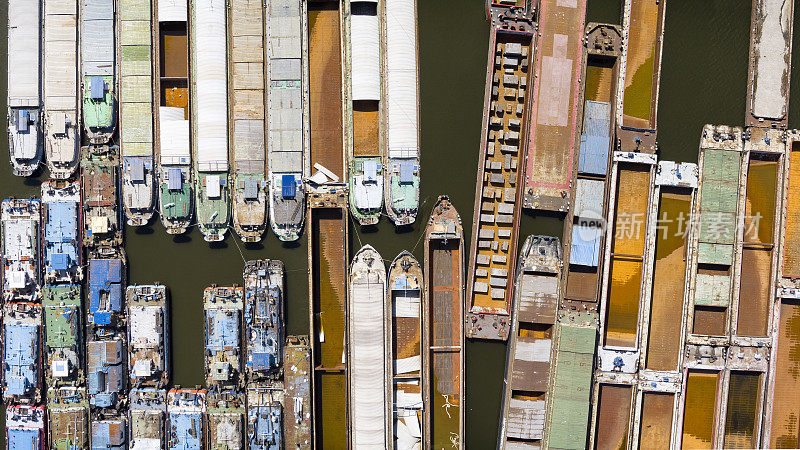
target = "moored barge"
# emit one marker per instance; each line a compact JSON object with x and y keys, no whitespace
{"x":105,"y":356}
{"x":500,"y":161}
{"x":552,"y":134}
{"x":63,"y":335}
{"x":443,"y":329}
{"x":770,"y":62}
{"x":136,"y":110}
{"x":643,"y":27}
{"x":22,"y":357}
{"x":106,"y":289}
{"x":247,"y":130}
{"x":225,"y":425}
{"x":263,"y":319}
{"x":20,"y":220}
{"x":404,"y":295}
{"x":297,"y":416}
{"x":61,"y":247}
{"x":24,"y":82}
{"x":25,"y":427}
{"x":537,"y":286}
{"x":265,"y":421}
{"x":102,"y":219}
{"x":148,"y":329}
{"x":147,"y":418}
{"x":209,"y":117}
{"x":222,"y":307}
{"x":110,"y":432}
{"x":186,"y":409}
{"x":401,"y":159}
{"x":68,"y":418}
{"x":368,"y":354}
{"x":61,"y":116}
{"x":287,"y":115}
{"x":171,"y":87}
{"x":98,"y":70}
{"x":364,"y":139}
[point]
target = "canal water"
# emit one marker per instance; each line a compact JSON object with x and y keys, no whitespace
{"x":704,"y":76}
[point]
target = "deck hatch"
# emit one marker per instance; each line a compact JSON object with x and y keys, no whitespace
{"x":288,"y":188}
{"x":174,"y":182}
{"x":98,"y":87}
{"x":250,"y":189}
{"x":137,"y":170}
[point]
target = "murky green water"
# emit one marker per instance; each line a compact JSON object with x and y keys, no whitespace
{"x":703,"y":80}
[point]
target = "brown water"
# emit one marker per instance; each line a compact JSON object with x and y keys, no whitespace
{"x":741,"y":415}
{"x":656,"y":420}
{"x":613,"y":417}
{"x":453,"y":43}
{"x":641,"y":64}
{"x":699,"y":413}
{"x":668,"y":282}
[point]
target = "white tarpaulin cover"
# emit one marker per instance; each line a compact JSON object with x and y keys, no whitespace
{"x":368,"y":196}
{"x":368,"y":352}
{"x":365,"y":57}
{"x":23,"y":53}
{"x":97,"y":37}
{"x":401,"y":78}
{"x":209,"y":56}
{"x":174,"y":135}
{"x":172,"y":10}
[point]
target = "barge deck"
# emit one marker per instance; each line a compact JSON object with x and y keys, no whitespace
{"x":22,"y":357}
{"x":552,"y":136}
{"x":287,"y":115}
{"x":102,"y":218}
{"x":263,"y":319}
{"x":25,"y":427}
{"x":297,"y":422}
{"x":68,"y":418}
{"x":62,"y":253}
{"x":24,"y":96}
{"x":401,"y":159}
{"x":61,"y":116}
{"x":135,"y":52}
{"x":443,"y":380}
{"x":328,"y":262}
{"x":171,"y":87}
{"x":404,"y":294}
{"x":99,"y":89}
{"x":770,"y":57}
{"x":643,"y":25}
{"x":209,"y":117}
{"x":63,"y":335}
{"x":147,"y":418}
{"x":365,"y":139}
{"x":186,"y":409}
{"x":148,"y":336}
{"x":537,"y":286}
{"x":497,"y":197}
{"x":247,"y":130}
{"x":225,"y":425}
{"x":368,"y":352}
{"x":222,"y":308}
{"x":265,"y":418}
{"x":20,"y":220}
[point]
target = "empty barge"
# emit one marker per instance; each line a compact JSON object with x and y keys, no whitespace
{"x":171,"y":87}
{"x":61,"y":115}
{"x":554,"y":127}
{"x":135,"y":51}
{"x":247,"y":130}
{"x":537,"y":286}
{"x":297,"y":416}
{"x":209,"y":117}
{"x":770,"y":62}
{"x":643,"y":25}
{"x":24,"y":84}
{"x":20,"y":220}
{"x":368,"y":354}
{"x":443,"y":382}
{"x":497,"y":199}
{"x":98,"y":70}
